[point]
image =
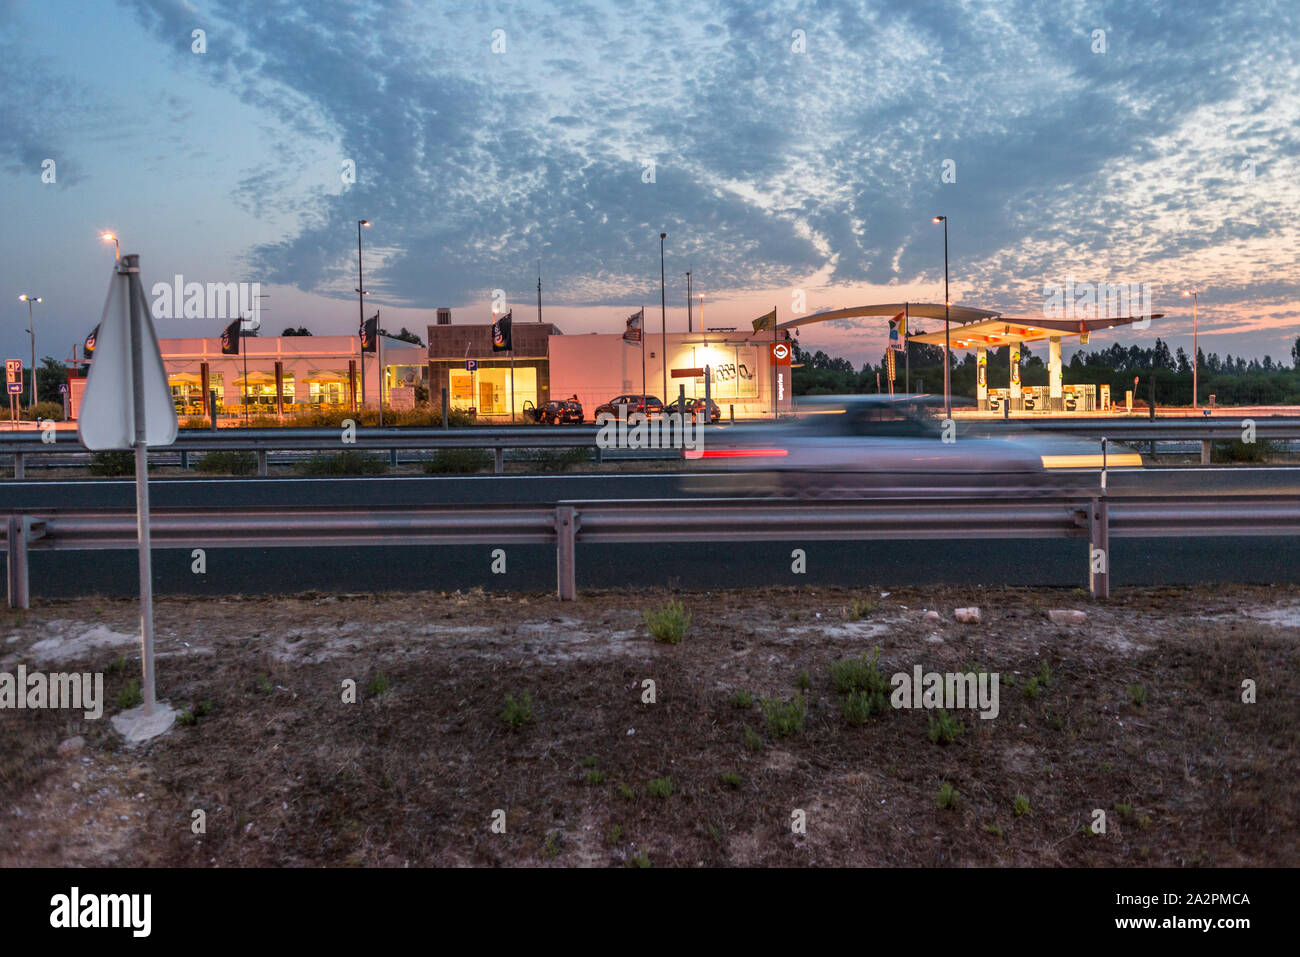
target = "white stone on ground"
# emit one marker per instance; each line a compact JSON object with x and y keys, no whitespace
{"x":967,"y":616}
{"x":136,"y":726}
{"x":1067,"y":616}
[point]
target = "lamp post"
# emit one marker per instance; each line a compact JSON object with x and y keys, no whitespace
{"x":663,"y":319}
{"x":112,"y":237}
{"x":1195,"y":351}
{"x":701,"y":312}
{"x":31,"y":330}
{"x":361,"y":312}
{"x":947,"y":393}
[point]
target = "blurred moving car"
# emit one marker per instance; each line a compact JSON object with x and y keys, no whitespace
{"x":645,"y":404}
{"x":556,"y":412}
{"x":847,"y":446}
{"x":693,"y":407}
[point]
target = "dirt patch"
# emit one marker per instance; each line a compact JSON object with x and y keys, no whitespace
{"x":1137,"y":711}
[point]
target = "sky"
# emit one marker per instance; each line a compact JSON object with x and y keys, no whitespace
{"x":793,"y":152}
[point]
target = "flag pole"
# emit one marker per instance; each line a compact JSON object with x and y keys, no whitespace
{"x":244,"y":349}
{"x":775,"y":414}
{"x":129,"y":269}
{"x":379,"y":368}
{"x":641,"y":333}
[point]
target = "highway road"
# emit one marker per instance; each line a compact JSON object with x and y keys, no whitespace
{"x":700,"y":565}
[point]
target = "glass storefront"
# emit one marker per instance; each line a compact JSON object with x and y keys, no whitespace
{"x":488,"y":391}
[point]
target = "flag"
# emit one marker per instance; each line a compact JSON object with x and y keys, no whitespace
{"x":634,"y":324}
{"x":369,"y":333}
{"x":501,"y":340}
{"x":90,"y":342}
{"x":230,"y":339}
{"x":898,"y":332}
{"x":765,"y":322}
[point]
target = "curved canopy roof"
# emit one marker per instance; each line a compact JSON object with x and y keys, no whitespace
{"x":915,"y":310}
{"x":1006,"y":329}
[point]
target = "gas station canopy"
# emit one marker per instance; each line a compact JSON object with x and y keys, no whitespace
{"x":1002,"y":330}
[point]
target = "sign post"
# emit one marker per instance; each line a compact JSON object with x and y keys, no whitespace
{"x":14,"y":386}
{"x":128,"y":404}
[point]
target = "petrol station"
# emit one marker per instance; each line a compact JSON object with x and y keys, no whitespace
{"x":982,"y":329}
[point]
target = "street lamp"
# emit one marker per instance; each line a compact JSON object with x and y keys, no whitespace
{"x":947,"y":396}
{"x":1195,"y":351}
{"x":361,"y":311}
{"x":701,"y":311}
{"x":112,"y":237}
{"x":663,"y":318}
{"x":31,"y":330}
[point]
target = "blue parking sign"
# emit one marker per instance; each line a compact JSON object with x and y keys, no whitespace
{"x":471,"y":365}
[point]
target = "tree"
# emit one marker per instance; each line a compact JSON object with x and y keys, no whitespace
{"x":300,"y":331}
{"x":1295,"y":353}
{"x":52,"y":375}
{"x":407,"y":336}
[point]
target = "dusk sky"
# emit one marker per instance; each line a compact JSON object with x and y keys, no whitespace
{"x":795,"y":146}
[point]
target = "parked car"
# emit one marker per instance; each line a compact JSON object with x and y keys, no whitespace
{"x":556,"y":412}
{"x":646,"y":404}
{"x":693,"y":407}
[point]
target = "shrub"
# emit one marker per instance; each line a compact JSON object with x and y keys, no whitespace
{"x":614,"y":835}
{"x":752,"y":739}
{"x":626,"y":790}
{"x":1032,"y":688}
{"x":660,"y":787}
{"x":1138,"y":695}
{"x":44,"y":410}
{"x":518,"y":713}
{"x":555,"y":460}
{"x":860,"y":609}
{"x":116,"y":462}
{"x":595,"y":777}
{"x":457,"y":461}
{"x":197,"y":422}
{"x":731,"y":779}
{"x":948,"y":796}
{"x":858,"y":674}
{"x":551,"y":846}
{"x":1020,"y":805}
{"x":858,"y":706}
{"x":784,"y":718}
{"x":130,"y":696}
{"x":742,"y":700}
{"x":342,"y":463}
{"x":803,"y":681}
{"x":228,"y":463}
{"x":1236,"y":450}
{"x":669,"y":623}
{"x":944,"y":729}
{"x":640,"y":859}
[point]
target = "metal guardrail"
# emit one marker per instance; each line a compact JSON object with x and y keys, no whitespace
{"x":1086,"y":514}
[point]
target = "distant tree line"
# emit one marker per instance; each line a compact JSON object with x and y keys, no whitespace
{"x":1233,"y":380}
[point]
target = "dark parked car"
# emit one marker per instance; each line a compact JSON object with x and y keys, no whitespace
{"x":693,"y":407}
{"x":556,"y":412}
{"x":647,"y":404}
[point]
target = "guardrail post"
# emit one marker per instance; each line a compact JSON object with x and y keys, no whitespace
{"x":392,"y":457}
{"x":20,"y":465}
{"x":566,"y":522}
{"x":1205,"y":451}
{"x":185,"y":459}
{"x":446,"y":413}
{"x":499,"y":461}
{"x":261,"y":462}
{"x":16,"y":559}
{"x":1098,"y":548}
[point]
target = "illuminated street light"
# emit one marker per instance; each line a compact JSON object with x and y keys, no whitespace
{"x":117,"y":250}
{"x":1195,"y":352}
{"x":947,"y":395}
{"x":31,"y":330}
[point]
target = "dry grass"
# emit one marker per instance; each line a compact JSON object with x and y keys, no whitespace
{"x":289,"y":775}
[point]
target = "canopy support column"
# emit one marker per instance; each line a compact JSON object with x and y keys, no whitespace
{"x":1057,"y":401}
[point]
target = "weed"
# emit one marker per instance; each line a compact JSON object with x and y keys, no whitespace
{"x":551,"y":847}
{"x":118,"y":462}
{"x":228,"y":462}
{"x":614,"y":835}
{"x":742,"y":700}
{"x":118,"y":667}
{"x":130,"y":695}
{"x":944,"y":728}
{"x":342,"y":463}
{"x":639,"y":859}
{"x":752,"y":739}
{"x":626,"y":790}
{"x":731,"y":779}
{"x":1045,"y":675}
{"x":1124,"y":810}
{"x":669,"y":623}
{"x":457,"y":461}
{"x":858,"y":706}
{"x":660,"y":787}
{"x":595,"y":777}
{"x":264,"y":684}
{"x":589,"y":762}
{"x":784,"y":718}
{"x":1020,"y":805}
{"x":378,"y":685}
{"x":859,"y":674}
{"x":859,"y":609}
{"x":1138,"y":695}
{"x":994,"y":829}
{"x":518,"y":713}
{"x":803,"y":681}
{"x":1032,"y":688}
{"x":948,"y":796}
